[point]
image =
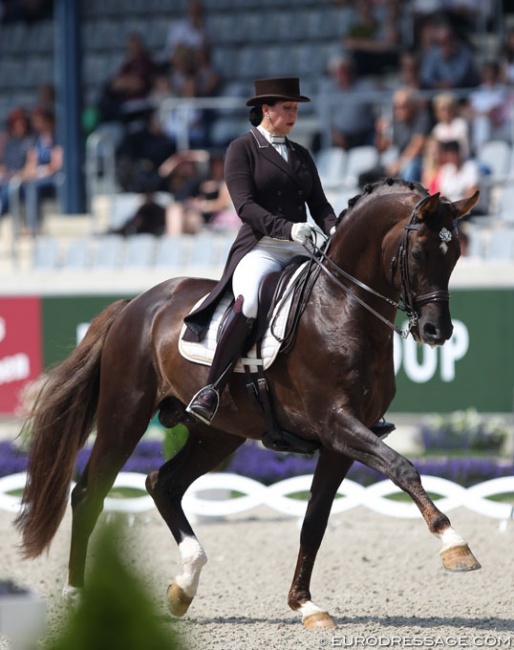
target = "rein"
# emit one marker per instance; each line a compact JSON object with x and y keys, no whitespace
{"x":408,"y":301}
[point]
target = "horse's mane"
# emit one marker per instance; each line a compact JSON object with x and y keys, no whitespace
{"x":384,"y":186}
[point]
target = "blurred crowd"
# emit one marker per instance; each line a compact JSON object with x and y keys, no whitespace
{"x":444,"y":103}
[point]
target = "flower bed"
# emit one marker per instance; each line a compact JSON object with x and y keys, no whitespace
{"x":268,"y":467}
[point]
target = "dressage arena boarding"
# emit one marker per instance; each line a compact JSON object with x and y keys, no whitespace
{"x":378,"y":571}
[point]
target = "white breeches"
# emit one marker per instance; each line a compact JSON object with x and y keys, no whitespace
{"x":267,"y":256}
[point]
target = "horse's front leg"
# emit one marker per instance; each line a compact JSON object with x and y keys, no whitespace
{"x":330,"y":471}
{"x":359,"y":443}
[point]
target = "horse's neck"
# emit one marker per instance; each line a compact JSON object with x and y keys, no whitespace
{"x":359,"y":252}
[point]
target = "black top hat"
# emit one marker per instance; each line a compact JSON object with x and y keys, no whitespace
{"x":281,"y":88}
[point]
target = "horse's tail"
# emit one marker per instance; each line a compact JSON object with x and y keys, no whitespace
{"x":60,"y":422}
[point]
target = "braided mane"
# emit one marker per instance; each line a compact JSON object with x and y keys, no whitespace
{"x":384,"y":186}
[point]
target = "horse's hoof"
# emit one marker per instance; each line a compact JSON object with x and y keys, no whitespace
{"x":319,"y":621}
{"x":177,"y":599}
{"x":460,"y":558}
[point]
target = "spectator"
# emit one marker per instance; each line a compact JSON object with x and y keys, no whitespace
{"x":374,"y":38}
{"x":129,"y":89}
{"x":407,"y":132}
{"x":15,"y":143}
{"x":448,"y":63}
{"x":46,"y":96}
{"x":456,"y":178}
{"x":207,"y":77}
{"x":352,"y":118}
{"x":488,"y":108}
{"x":41,"y":174}
{"x":208,"y":203}
{"x":140,"y":154}
{"x":450,"y":125}
{"x":189,"y":32}
{"x":462,"y":15}
{"x":408,"y":71}
{"x":182,"y":171}
{"x":149,"y":218}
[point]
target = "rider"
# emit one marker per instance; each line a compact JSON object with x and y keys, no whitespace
{"x":271,"y":181}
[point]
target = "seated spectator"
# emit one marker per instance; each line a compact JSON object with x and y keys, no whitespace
{"x":448,"y":63}
{"x":183,"y":171}
{"x":407,"y":132}
{"x":149,"y":219}
{"x":41,"y":173}
{"x":130,"y":87}
{"x":449,"y":123}
{"x":462,"y":15}
{"x":186,"y":126}
{"x":15,"y":143}
{"x":457,"y":178}
{"x":373,"y":40}
{"x":208,"y":204}
{"x":140,"y":154}
{"x":207,"y":77}
{"x":488,"y":108}
{"x":352,"y":117}
{"x":189,"y":32}
{"x":408,"y":71}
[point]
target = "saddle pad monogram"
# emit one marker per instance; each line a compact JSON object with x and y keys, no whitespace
{"x":203,"y":352}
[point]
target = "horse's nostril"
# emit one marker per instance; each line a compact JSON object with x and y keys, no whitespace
{"x":430,"y":330}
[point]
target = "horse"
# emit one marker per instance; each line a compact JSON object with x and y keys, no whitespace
{"x":394,"y":247}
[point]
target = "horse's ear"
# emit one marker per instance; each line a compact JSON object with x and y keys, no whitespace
{"x":464,"y":206}
{"x":427,"y":206}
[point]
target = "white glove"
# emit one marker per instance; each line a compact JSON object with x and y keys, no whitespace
{"x":301,"y":232}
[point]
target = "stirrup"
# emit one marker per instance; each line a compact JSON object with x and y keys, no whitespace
{"x":204,"y":404}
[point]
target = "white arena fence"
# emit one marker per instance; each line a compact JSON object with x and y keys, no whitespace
{"x":223,"y":494}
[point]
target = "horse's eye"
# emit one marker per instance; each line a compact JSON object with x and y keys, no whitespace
{"x":418,"y":255}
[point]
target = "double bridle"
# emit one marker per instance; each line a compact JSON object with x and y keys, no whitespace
{"x":408,"y":301}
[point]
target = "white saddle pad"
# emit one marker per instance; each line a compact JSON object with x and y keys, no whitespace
{"x":203,"y":352}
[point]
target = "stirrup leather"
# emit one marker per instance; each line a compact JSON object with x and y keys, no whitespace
{"x":199,"y":406}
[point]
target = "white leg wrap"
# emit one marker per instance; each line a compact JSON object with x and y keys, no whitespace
{"x":193,"y":560}
{"x":71,"y":595}
{"x":449,"y":539}
{"x":309,"y":608}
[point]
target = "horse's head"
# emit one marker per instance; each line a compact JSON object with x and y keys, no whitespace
{"x":428,"y":251}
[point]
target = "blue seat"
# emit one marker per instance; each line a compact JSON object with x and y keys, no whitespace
{"x":140,"y":251}
{"x":77,"y":254}
{"x":46,"y":255}
{"x":170,"y":253}
{"x":109,"y":252}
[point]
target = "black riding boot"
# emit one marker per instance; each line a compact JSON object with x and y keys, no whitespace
{"x":228,"y":350}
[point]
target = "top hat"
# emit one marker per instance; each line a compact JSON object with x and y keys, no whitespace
{"x":281,"y":88}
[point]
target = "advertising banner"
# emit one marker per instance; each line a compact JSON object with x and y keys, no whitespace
{"x":474,"y":369}
{"x":20,"y":348}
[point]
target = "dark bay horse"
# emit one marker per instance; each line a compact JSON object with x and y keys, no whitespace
{"x":398,"y":243}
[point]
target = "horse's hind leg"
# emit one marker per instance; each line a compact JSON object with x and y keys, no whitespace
{"x":330,"y":471}
{"x":201,"y":453}
{"x":117,"y":437}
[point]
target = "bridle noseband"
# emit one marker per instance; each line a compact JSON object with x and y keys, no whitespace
{"x":408,"y":301}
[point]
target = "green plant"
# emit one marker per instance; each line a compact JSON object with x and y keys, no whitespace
{"x":174,"y":439}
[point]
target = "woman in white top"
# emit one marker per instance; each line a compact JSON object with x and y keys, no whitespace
{"x":450,"y":125}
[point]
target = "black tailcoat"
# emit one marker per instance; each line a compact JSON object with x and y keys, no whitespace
{"x":270,"y":194}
